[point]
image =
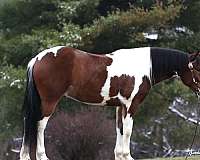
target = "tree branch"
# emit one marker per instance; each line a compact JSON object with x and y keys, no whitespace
{"x":182,"y":116}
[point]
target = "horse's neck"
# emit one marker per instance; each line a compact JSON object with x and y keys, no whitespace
{"x":166,"y":63}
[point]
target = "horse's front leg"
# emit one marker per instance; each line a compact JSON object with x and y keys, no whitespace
{"x":124,"y":129}
{"x":127,"y":131}
{"x":128,"y":120}
{"x":119,"y":139}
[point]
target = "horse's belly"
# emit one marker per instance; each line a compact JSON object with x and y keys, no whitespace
{"x":87,"y":95}
{"x":111,"y":101}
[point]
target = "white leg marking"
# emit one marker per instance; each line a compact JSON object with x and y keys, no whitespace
{"x":127,"y":131}
{"x":40,"y":150}
{"x":24,"y":152}
{"x":119,"y":146}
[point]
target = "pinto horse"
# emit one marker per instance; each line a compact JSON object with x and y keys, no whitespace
{"x":121,"y":79}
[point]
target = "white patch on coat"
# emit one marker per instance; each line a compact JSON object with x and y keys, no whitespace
{"x":53,"y":50}
{"x":40,"y":150}
{"x":133,"y":62}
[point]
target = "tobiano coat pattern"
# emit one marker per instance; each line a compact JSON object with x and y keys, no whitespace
{"x":121,"y":79}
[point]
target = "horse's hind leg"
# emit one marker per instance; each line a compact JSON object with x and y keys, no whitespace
{"x":24,"y":152}
{"x":47,"y":109}
{"x":40,"y":151}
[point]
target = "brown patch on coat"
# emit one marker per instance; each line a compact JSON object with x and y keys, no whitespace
{"x":113,"y":102}
{"x":80,"y":74}
{"x":114,"y":86}
{"x":52,"y":77}
{"x":120,"y":114}
{"x":123,"y":85}
{"x":141,"y":94}
{"x":119,"y":120}
{"x":89,"y":74}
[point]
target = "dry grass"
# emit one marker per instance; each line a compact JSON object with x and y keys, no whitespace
{"x":177,"y":158}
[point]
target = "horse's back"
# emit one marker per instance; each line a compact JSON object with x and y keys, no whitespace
{"x":87,"y":77}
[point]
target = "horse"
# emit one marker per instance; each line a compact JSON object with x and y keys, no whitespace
{"x":121,"y":79}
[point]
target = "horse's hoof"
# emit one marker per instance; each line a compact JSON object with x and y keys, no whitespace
{"x":128,"y":157}
{"x":24,"y":158}
{"x":45,"y":158}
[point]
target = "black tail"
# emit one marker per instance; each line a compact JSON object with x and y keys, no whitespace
{"x":31,"y":110}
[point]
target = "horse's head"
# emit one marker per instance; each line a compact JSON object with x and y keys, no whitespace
{"x":191,"y":76}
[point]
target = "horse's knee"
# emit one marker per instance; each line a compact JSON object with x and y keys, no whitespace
{"x":127,"y":126}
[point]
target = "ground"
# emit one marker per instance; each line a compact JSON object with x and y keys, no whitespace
{"x":177,"y":158}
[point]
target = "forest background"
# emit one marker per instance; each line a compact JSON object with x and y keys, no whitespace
{"x":98,"y":26}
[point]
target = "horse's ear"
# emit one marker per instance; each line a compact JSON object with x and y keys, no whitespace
{"x":192,"y":56}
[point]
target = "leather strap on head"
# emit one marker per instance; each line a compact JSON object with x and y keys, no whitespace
{"x":191,"y":67}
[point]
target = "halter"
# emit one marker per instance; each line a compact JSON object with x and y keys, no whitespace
{"x":191,"y":67}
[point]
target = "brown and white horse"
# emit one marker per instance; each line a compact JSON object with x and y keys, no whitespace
{"x":121,"y":79}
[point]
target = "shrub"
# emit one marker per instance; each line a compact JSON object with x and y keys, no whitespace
{"x":124,"y":29}
{"x":80,"y":12}
{"x":20,"y":49}
{"x":85,"y":135}
{"x":12,"y":81}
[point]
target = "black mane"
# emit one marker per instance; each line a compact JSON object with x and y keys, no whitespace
{"x":167,"y":62}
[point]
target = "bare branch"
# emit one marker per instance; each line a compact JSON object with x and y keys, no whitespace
{"x":182,"y":116}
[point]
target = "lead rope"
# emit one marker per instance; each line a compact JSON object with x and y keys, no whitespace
{"x":197,"y":124}
{"x":195,"y":134}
